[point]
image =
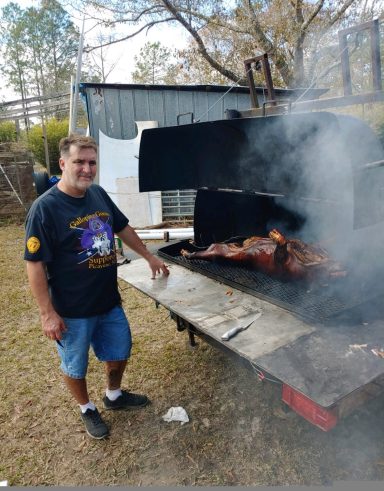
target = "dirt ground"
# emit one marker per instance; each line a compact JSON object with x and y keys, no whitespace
{"x":237,"y":433}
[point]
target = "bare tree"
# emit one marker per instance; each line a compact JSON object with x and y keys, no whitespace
{"x":287,"y":30}
{"x":100,"y":58}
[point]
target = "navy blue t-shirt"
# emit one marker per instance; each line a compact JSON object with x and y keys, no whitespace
{"x":74,"y":237}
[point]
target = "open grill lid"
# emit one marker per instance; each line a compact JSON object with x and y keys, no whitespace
{"x":313,"y":156}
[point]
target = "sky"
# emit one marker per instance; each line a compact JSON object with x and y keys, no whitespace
{"x":122,"y":53}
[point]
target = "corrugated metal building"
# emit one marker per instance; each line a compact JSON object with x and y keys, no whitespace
{"x":114,"y":108}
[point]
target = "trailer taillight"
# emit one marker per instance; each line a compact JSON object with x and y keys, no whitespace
{"x":323,"y":418}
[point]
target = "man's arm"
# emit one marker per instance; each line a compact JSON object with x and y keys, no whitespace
{"x":133,"y":241}
{"x":52,"y":324}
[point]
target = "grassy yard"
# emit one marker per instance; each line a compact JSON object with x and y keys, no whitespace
{"x":237,"y":434}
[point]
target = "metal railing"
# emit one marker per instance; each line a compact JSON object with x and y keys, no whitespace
{"x":178,"y":204}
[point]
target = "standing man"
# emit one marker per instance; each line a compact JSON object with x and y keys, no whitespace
{"x":72,"y":271}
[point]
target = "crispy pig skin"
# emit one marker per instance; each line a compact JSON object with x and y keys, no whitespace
{"x":287,"y":259}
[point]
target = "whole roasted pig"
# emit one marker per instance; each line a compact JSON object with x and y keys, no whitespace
{"x":287,"y":259}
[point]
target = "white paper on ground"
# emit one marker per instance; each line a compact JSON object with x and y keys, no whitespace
{"x":176,"y":414}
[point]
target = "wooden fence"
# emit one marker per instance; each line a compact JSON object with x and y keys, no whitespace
{"x":17,"y":187}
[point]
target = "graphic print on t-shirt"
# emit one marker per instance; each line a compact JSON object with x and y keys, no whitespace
{"x":96,"y":240}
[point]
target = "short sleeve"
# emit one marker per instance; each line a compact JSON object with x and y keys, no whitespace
{"x":39,"y":236}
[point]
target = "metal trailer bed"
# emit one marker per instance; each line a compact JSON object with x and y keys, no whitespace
{"x":325,"y":371}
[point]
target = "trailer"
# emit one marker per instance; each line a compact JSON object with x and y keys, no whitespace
{"x":315,"y":176}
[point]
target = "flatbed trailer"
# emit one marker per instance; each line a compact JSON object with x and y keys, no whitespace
{"x":325,"y":371}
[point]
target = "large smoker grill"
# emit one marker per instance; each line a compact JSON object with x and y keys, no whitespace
{"x":289,"y":172}
{"x":318,"y":177}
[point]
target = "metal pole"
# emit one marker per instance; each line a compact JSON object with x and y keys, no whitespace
{"x":78,"y":73}
{"x":70,"y":106}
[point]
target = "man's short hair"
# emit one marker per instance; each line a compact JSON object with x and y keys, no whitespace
{"x":79,"y":141}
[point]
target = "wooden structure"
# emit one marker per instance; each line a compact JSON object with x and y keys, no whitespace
{"x":17,"y":188}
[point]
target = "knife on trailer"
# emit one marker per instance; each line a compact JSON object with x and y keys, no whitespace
{"x":235,"y":330}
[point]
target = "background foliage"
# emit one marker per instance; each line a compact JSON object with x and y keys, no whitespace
{"x":56,"y":129}
{"x":7,"y":131}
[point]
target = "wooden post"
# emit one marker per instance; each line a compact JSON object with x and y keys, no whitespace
{"x":78,"y":73}
{"x":46,"y":152}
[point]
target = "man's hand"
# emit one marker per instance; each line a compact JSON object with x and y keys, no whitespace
{"x":53,"y":325}
{"x":132,"y":240}
{"x":157,"y":265}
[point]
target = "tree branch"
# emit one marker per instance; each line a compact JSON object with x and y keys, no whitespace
{"x":340,"y":12}
{"x":266,"y":45}
{"x":201,"y":46}
{"x":319,"y":5}
{"x":147,"y":26}
{"x":299,"y":11}
{"x":209,"y":20}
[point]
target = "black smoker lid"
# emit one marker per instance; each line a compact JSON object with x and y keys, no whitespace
{"x":310,"y":155}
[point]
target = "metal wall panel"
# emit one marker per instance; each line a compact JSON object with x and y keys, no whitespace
{"x":186,"y":106}
{"x":201,"y":106}
{"x":141,"y":106}
{"x":127,"y":109}
{"x":113,"y":109}
{"x":112,"y":113}
{"x":171,"y":104}
{"x":156,"y":106}
{"x":215,"y":107}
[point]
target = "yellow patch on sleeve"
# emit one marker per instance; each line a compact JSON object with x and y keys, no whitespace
{"x":33,"y":245}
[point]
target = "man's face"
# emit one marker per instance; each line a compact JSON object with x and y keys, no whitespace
{"x":78,"y":170}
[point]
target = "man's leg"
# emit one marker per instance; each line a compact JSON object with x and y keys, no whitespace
{"x":73,"y":350}
{"x":115,"y":371}
{"x":94,"y":425}
{"x":78,"y":388}
{"x":112,"y":344}
{"x":115,"y":397}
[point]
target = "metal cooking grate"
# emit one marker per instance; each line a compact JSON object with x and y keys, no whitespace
{"x":316,"y":303}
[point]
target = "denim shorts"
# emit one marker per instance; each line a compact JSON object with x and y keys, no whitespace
{"x":109,"y":335}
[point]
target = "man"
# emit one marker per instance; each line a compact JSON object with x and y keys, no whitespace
{"x":72,"y":271}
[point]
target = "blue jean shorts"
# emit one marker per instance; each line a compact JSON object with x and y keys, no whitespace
{"x":109,"y":335}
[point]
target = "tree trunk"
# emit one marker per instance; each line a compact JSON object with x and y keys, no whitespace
{"x":298,"y":70}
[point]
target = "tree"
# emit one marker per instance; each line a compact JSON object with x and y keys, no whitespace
{"x":153,"y":65}
{"x":61,"y":40}
{"x":39,"y":48}
{"x":291,"y":32}
{"x":100,"y":58}
{"x":12,"y":40}
{"x":8,"y":131}
{"x":55,"y":130}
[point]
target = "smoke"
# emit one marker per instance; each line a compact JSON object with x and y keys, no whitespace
{"x":316,"y":164}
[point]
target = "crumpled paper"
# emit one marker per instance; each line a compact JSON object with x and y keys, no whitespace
{"x":176,"y":414}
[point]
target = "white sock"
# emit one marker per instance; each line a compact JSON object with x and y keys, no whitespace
{"x":113,"y":394}
{"x":89,"y":405}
